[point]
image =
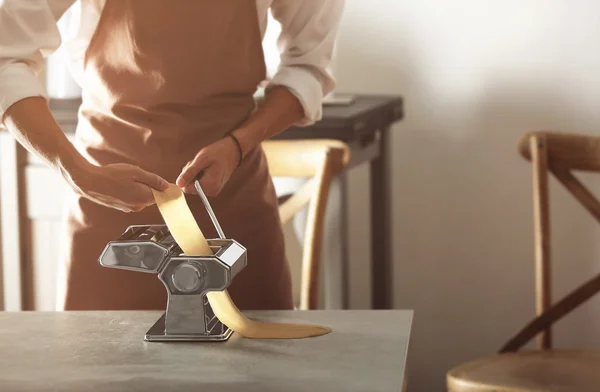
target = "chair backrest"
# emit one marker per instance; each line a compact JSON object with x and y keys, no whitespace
{"x":321,"y":161}
{"x":559,"y":154}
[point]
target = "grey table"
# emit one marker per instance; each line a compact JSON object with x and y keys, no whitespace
{"x":105,"y":351}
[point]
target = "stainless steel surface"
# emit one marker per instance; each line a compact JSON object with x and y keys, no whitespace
{"x":230,"y":253}
{"x":185,"y":315}
{"x":209,"y":209}
{"x":143,"y":248}
{"x":187,"y":279}
{"x":218,"y":333}
{"x":102,"y":351}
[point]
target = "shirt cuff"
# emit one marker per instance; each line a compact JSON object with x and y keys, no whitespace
{"x":306,"y":87}
{"x":17,"y":82}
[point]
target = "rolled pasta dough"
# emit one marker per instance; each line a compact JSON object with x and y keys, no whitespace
{"x":187,"y":234}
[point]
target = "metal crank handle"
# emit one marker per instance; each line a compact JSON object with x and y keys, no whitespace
{"x":208,"y":207}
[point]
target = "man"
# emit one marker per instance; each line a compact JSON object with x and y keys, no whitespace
{"x":167,"y":94}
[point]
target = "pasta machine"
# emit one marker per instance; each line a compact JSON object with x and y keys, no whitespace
{"x":187,"y":279}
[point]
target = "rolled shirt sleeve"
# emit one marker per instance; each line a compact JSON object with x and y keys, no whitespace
{"x":306,"y":43}
{"x":28,"y":34}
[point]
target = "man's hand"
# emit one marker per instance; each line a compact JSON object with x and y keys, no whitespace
{"x":216,"y":162}
{"x":121,"y":186}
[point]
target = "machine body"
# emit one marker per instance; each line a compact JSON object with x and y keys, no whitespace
{"x":187,"y":279}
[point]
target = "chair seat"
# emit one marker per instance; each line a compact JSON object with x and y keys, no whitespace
{"x":529,"y":371}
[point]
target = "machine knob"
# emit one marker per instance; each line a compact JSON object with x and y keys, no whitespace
{"x":134,"y":249}
{"x":187,"y":277}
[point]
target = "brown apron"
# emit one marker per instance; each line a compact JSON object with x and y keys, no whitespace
{"x":162,"y":80}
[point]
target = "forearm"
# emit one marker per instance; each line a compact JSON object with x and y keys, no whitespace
{"x":279,"y":110}
{"x":32,"y":124}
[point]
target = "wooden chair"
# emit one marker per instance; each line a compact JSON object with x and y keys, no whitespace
{"x":321,"y":160}
{"x":545,"y":369}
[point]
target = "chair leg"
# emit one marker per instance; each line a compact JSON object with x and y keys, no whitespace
{"x":539,"y":160}
{"x":555,"y":313}
{"x":311,"y":258}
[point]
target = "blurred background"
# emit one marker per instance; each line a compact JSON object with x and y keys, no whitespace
{"x":475,"y":76}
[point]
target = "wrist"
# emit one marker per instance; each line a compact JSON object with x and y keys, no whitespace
{"x":248,"y":138}
{"x":238,"y":147}
{"x":279,"y":110}
{"x":73,"y":166}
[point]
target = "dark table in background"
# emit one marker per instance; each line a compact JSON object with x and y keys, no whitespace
{"x":365,"y":126}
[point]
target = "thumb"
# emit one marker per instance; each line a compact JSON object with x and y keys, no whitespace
{"x":191,"y":170}
{"x":210,"y":183}
{"x":152,"y":180}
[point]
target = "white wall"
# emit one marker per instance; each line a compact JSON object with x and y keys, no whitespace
{"x":476,"y":75}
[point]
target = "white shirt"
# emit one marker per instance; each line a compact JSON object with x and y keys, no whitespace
{"x":29,"y":33}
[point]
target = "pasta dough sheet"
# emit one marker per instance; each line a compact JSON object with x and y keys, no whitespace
{"x":187,"y":234}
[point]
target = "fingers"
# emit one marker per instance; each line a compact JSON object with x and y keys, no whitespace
{"x":190,"y":189}
{"x":124,"y":187}
{"x":137,"y":202}
{"x":192,"y":169}
{"x":152,"y":180}
{"x":211,"y":182}
{"x":143,"y":197}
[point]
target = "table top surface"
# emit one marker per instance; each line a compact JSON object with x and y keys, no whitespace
{"x":357,"y":121}
{"x":105,"y":351}
{"x":361,"y":118}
